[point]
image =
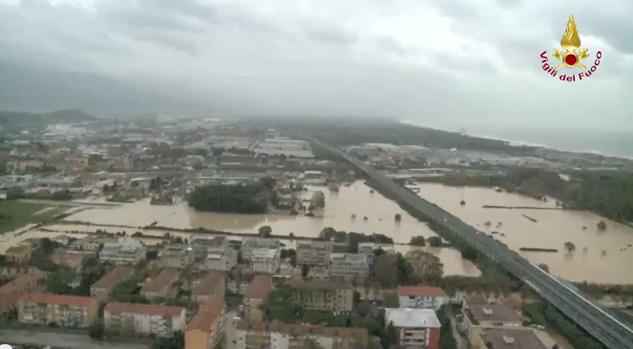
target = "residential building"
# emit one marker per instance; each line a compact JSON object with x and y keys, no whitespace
{"x":102,"y":288}
{"x":23,"y":283}
{"x":161,"y":285}
{"x":223,"y":260}
{"x":283,"y":146}
{"x":368,"y":249}
{"x":265,"y":260}
{"x":313,"y":252}
{"x":511,"y":339}
{"x":318,"y":273}
{"x":415,"y":328}
{"x":214,"y":254}
{"x":324,"y":295}
{"x":211,"y":286}
{"x":206,"y":329}
{"x":251,"y":243}
{"x":91,"y":243}
{"x":256,"y":295}
{"x":348,"y":266}
{"x":423,"y":297}
{"x":143,"y":319}
{"x":61,"y":310}
{"x":480,"y":317}
{"x":18,"y":254}
{"x":70,"y":258}
{"x":275,"y":335}
{"x":176,"y":256}
{"x":123,"y":251}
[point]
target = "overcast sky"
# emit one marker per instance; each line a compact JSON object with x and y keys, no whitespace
{"x":448,"y":64}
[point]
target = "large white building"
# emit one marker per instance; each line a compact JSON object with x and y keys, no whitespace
{"x":251,"y":243}
{"x":215,"y":254}
{"x":123,"y":251}
{"x":283,"y":146}
{"x":265,"y":260}
{"x":415,"y":328}
{"x":143,"y":319}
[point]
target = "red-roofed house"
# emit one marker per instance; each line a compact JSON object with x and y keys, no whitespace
{"x":256,"y":295}
{"x":206,"y":329}
{"x":422,"y":297}
{"x":61,"y":310}
{"x":143,"y":319}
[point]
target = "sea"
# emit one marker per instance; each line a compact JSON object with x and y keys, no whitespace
{"x":610,"y":143}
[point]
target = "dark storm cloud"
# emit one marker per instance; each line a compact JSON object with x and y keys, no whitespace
{"x":428,"y":61}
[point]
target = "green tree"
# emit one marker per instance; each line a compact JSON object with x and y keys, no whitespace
{"x":435,"y":241}
{"x":418,"y":241}
{"x":265,"y":231}
{"x":426,"y":267}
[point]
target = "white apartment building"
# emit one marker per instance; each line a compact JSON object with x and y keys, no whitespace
{"x":265,"y":260}
{"x":123,"y":251}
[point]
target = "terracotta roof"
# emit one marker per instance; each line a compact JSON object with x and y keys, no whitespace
{"x":207,"y":284}
{"x":137,"y":308}
{"x":206,"y":316}
{"x":49,"y":298}
{"x":421,"y":291}
{"x":260,"y":287}
{"x":166,"y":277}
{"x":302,"y":329}
{"x":17,"y":249}
{"x":512,"y":339}
{"x":114,"y":277}
{"x":21,"y":282}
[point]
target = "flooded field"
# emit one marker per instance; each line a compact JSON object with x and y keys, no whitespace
{"x":599,"y":256}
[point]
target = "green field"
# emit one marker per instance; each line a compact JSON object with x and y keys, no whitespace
{"x":15,"y":214}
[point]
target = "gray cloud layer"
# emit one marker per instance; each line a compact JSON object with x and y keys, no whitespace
{"x":444,"y":63}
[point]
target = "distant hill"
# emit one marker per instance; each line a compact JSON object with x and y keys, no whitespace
{"x":17,"y":119}
{"x":28,"y":87}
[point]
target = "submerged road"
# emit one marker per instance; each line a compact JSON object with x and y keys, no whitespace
{"x":574,"y":304}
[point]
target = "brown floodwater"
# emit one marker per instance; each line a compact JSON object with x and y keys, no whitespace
{"x":356,"y":199}
{"x":600,"y":256}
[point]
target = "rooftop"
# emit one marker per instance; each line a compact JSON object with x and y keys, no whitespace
{"x":320,"y":285}
{"x":114,"y":277}
{"x":21,"y":281}
{"x":260,"y":287}
{"x":137,"y":308}
{"x":265,"y":252}
{"x":166,"y":277}
{"x":492,"y":312}
{"x":206,"y":316}
{"x":421,"y":291}
{"x":512,"y":339}
{"x":48,"y":298}
{"x":407,"y":317}
{"x":207,"y":283}
{"x":217,"y":241}
{"x":303,"y":329}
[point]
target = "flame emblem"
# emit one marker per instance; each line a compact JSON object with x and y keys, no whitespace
{"x":571,"y":54}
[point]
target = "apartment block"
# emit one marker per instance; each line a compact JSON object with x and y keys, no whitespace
{"x":211,"y":286}
{"x":423,"y":297}
{"x":123,"y":251}
{"x":21,"y":284}
{"x":61,"y":310}
{"x":257,"y":334}
{"x":324,"y":295}
{"x":265,"y":260}
{"x":206,"y":328}
{"x":313,"y":252}
{"x":481,"y":317}
{"x":102,"y":288}
{"x":214,"y":254}
{"x":161,"y":285}
{"x":257,"y":293}
{"x":252,"y":243}
{"x":348,"y":266}
{"x":415,"y":328}
{"x":176,"y":256}
{"x":143,"y":319}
